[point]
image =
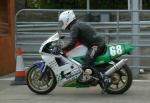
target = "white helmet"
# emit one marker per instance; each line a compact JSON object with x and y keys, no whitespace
{"x":65,"y":18}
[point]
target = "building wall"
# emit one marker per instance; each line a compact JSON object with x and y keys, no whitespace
{"x":7,"y":36}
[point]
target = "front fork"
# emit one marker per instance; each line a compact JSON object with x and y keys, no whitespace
{"x":43,"y":72}
{"x":42,"y":67}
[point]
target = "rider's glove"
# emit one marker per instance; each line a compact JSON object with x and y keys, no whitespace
{"x":56,"y":51}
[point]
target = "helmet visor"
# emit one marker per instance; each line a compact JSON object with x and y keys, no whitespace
{"x":60,"y":25}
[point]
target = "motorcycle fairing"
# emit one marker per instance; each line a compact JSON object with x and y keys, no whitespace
{"x":65,"y":72}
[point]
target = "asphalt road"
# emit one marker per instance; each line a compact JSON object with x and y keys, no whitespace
{"x":138,"y":93}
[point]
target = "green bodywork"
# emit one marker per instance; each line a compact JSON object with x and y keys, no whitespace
{"x":76,"y":84}
{"x":126,"y":48}
{"x":112,"y":52}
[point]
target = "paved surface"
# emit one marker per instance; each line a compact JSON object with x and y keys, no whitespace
{"x":138,"y":93}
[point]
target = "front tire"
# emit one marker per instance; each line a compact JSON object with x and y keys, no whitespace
{"x":121,"y":81}
{"x":43,"y":86}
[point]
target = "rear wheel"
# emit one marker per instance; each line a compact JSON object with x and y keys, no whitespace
{"x":121,"y":81}
{"x":40,"y":86}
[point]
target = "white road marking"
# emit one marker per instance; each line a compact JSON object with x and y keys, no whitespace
{"x":141,"y":80}
{"x":10,"y":78}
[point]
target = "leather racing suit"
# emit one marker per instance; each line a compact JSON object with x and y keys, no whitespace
{"x":84,"y":34}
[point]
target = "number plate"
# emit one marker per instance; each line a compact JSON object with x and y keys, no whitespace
{"x":115,"y":50}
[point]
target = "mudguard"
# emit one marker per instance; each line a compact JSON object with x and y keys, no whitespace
{"x":40,"y":65}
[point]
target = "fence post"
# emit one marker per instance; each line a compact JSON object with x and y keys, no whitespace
{"x":117,"y":30}
{"x":135,"y":30}
{"x":88,"y":13}
{"x":105,"y":17}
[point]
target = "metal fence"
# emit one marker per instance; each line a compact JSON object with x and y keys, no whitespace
{"x":33,"y":26}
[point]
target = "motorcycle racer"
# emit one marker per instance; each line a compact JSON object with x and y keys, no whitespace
{"x":81,"y":33}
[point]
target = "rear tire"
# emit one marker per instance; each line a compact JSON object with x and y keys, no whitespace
{"x":123,"y":73}
{"x":46,"y":85}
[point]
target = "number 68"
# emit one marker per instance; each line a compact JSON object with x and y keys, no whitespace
{"x":115,"y":50}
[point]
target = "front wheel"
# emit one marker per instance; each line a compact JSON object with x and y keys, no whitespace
{"x":121,"y":81}
{"x":40,"y":86}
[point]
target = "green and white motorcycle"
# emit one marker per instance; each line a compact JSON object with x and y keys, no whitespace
{"x":65,"y":70}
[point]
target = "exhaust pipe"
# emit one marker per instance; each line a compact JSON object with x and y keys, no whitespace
{"x":115,"y":67}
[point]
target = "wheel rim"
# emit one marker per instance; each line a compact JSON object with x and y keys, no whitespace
{"x":36,"y":84}
{"x":119,"y":80}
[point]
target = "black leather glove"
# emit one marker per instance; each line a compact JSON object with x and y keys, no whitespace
{"x":56,"y":50}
